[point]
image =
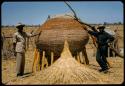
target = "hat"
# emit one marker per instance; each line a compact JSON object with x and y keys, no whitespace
{"x":101,"y":27}
{"x":20,"y":25}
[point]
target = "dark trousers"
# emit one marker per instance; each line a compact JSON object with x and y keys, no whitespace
{"x":101,"y":57}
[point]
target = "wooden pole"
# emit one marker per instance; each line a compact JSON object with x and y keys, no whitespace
{"x":38,"y":61}
{"x":113,"y":47}
{"x":85,"y":56}
{"x":43,"y":57}
{"x":78,"y":58}
{"x":46,"y":62}
{"x":34,"y":60}
{"x":52,"y":57}
{"x":81,"y":57}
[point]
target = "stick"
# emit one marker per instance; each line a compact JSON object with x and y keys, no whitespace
{"x":76,"y":18}
{"x":115,"y":51}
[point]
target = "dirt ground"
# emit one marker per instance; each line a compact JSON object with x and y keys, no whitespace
{"x":114,"y":76}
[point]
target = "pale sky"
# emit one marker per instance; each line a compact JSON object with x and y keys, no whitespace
{"x":37,"y":12}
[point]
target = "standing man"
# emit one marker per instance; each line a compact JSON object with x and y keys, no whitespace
{"x":19,"y":46}
{"x":103,"y":38}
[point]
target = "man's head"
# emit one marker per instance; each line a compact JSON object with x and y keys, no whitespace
{"x":101,"y":28}
{"x":20,"y":26}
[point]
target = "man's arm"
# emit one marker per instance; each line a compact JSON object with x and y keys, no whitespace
{"x":110,"y":38}
{"x":14,"y":47}
{"x":14,"y":44}
{"x":91,"y":32}
{"x":93,"y":28}
{"x":32,"y":35}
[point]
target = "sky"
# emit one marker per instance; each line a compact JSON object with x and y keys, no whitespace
{"x":34,"y":13}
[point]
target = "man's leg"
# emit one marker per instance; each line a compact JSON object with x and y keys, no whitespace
{"x":85,"y":56}
{"x":20,"y":64}
{"x":103,"y":53}
{"x":23,"y":63}
{"x":99,"y":60}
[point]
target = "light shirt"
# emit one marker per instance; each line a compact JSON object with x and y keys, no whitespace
{"x":20,"y":40}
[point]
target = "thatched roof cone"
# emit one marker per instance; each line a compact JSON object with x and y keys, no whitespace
{"x":66,"y":52}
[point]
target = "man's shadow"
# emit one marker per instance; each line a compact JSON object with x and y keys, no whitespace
{"x":96,"y":67}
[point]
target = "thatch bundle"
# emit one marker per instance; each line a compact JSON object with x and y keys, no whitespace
{"x":56,"y":30}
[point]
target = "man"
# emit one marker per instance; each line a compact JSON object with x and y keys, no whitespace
{"x":103,"y":38}
{"x":19,"y":46}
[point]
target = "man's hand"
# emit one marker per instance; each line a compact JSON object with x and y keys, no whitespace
{"x":14,"y":46}
{"x":93,"y":28}
{"x":14,"y":52}
{"x":85,"y":29}
{"x":110,"y":44}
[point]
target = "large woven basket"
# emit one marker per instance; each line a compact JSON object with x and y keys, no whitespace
{"x":56,"y":30}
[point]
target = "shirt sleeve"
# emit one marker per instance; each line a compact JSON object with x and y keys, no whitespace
{"x":28,"y":34}
{"x":93,"y":28}
{"x":110,"y":38}
{"x":14,"y":38}
{"x":93,"y":33}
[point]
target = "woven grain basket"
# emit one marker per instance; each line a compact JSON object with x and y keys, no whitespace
{"x":56,"y":30}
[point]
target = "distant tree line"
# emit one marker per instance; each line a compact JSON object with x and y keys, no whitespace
{"x":115,"y":23}
{"x":105,"y":23}
{"x":26,"y":25}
